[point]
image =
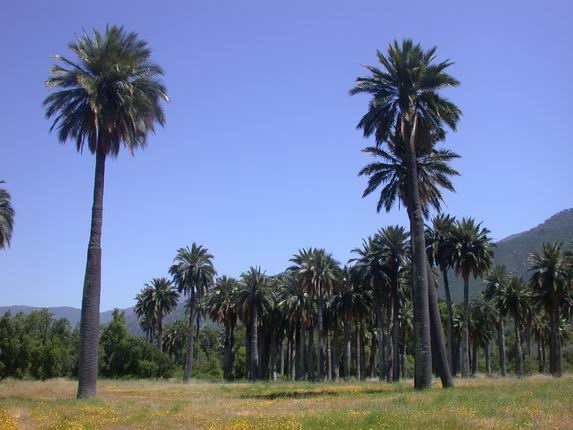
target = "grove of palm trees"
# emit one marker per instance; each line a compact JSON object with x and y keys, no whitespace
{"x":379,"y":324}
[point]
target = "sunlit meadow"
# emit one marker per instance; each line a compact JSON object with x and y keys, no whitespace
{"x":534,"y":402}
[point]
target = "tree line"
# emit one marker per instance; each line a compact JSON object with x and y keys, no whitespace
{"x":321,"y":321}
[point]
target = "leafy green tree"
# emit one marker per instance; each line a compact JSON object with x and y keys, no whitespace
{"x":6,"y":218}
{"x":473,"y":254}
{"x":193,"y":272}
{"x":254,"y":297}
{"x":108,"y":98}
{"x":551,"y":282}
{"x":221,"y":307}
{"x":406,"y":102}
{"x":114,"y":339}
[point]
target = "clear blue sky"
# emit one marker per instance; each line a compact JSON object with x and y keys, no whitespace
{"x":260,"y":154}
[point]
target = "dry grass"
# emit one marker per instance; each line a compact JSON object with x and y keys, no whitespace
{"x":535,"y":402}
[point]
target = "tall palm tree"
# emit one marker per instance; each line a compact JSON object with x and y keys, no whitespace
{"x":163,"y":301}
{"x":6,"y":218}
{"x":369,"y":264}
{"x":254,"y":297}
{"x":406,"y":102}
{"x":551,"y":280}
{"x":434,"y":174}
{"x":473,"y":254}
{"x":108,"y":98}
{"x":494,"y":284}
{"x":317,"y":270}
{"x":393,"y":250}
{"x":193,"y":273}
{"x":350,"y":301}
{"x":295,"y":304}
{"x":514,"y":300}
{"x":440,"y":250}
{"x":221,"y":307}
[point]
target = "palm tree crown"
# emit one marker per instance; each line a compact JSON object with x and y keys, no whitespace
{"x":6,"y":218}
{"x":110,"y":96}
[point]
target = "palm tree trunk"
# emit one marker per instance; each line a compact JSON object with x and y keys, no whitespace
{"x":321,"y":345}
{"x":335,"y":352}
{"x":439,"y":353}
{"x":501,"y":342}
{"x":273,"y":359}
{"x":254,"y":342}
{"x":475,"y":355}
{"x":465,"y":330}
{"x":555,"y":358}
{"x":404,"y":358}
{"x":390,"y":345}
{"x":347,"y":350}
{"x":381,"y":350}
{"x":248,"y":354}
{"x":450,"y":324}
{"x":311,"y":361}
{"x":328,"y":359}
{"x":518,"y":349}
{"x":227,"y":354}
{"x":160,"y":332}
{"x":190,"y":333}
{"x":422,"y":334}
{"x":540,"y":363}
{"x":300,"y":353}
{"x":396,"y":333}
{"x":282,"y":357}
{"x":358,"y":351}
{"x":487,"y":359}
{"x":89,"y":321}
{"x":373,"y":342}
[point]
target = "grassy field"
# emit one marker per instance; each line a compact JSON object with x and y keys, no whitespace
{"x":536,"y":402}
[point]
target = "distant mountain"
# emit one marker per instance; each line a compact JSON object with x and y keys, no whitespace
{"x":514,"y":250}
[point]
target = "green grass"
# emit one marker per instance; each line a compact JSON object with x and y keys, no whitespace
{"x":535,"y":402}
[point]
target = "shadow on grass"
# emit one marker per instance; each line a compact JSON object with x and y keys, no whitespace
{"x":297,"y":394}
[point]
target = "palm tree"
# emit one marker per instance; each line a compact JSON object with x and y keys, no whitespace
{"x":389,"y":171}
{"x":193,"y":273}
{"x":514,"y":300}
{"x":221,"y":307}
{"x":145,"y":312}
{"x":473,"y":254}
{"x":253,"y":297}
{"x":369,"y":264}
{"x":163,"y":297}
{"x":440,"y":250}
{"x":176,"y":340}
{"x":495,"y":282}
{"x":550,"y":281}
{"x":406,"y":102}
{"x":350,"y":301}
{"x":6,"y":218}
{"x":393,"y":250}
{"x":485,"y":315}
{"x":317,"y":271}
{"x":295,"y":304}
{"x":110,"y":97}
